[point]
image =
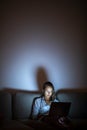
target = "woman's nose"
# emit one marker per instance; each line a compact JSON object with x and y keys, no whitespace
{"x":49,"y":92}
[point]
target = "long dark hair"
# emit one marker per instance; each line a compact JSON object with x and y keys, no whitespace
{"x":46,"y":84}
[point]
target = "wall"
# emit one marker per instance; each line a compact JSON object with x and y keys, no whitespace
{"x":42,"y":40}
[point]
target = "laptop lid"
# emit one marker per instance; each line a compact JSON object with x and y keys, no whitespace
{"x":59,"y":108}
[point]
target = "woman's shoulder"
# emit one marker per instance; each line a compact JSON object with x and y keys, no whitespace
{"x":38,"y":98}
{"x":56,"y":100}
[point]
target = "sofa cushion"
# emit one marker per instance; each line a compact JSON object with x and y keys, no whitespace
{"x":38,"y":125}
{"x":5,"y":105}
{"x":14,"y":125}
{"x":78,"y":101}
{"x":22,"y":104}
{"x":79,"y":124}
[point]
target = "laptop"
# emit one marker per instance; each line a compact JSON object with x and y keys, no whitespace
{"x":59,"y":109}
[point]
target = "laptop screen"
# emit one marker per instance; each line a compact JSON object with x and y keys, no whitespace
{"x":59,"y":108}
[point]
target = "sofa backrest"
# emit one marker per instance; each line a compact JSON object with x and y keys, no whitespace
{"x":5,"y":105}
{"x":22,"y":104}
{"x":19,"y":104}
{"x":78,"y":101}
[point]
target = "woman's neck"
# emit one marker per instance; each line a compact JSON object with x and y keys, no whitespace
{"x":47,"y":100}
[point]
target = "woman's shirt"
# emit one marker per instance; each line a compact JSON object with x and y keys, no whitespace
{"x":40,"y":107}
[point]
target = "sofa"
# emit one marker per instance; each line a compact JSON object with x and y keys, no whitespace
{"x":15,"y":108}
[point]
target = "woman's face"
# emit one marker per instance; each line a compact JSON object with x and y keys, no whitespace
{"x":48,"y":92}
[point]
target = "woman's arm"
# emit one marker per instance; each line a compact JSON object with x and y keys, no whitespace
{"x":35,"y":109}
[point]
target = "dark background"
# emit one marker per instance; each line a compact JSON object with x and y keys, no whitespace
{"x":43,"y":40}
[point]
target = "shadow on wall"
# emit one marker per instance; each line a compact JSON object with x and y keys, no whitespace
{"x":41,"y":77}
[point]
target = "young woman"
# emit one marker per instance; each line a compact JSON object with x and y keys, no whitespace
{"x":41,"y":105}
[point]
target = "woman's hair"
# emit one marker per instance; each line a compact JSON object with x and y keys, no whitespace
{"x":46,"y":84}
